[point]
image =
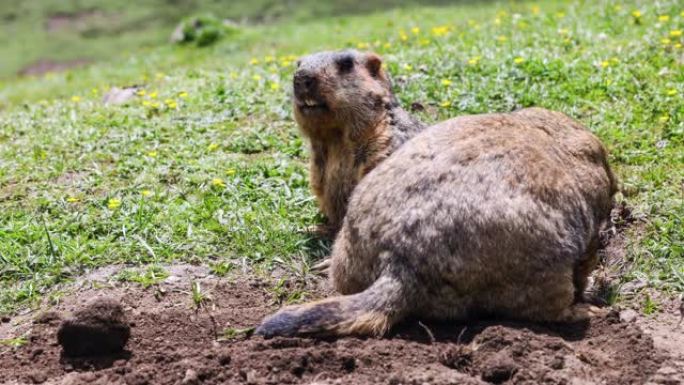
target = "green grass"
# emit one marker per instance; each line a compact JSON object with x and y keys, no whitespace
{"x":212,"y":170}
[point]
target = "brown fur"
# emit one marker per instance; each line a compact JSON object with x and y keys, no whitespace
{"x":494,"y":214}
{"x":357,"y":125}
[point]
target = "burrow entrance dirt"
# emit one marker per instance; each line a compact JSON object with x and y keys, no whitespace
{"x":172,"y":342}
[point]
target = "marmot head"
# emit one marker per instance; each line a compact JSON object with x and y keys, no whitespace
{"x":340,"y":93}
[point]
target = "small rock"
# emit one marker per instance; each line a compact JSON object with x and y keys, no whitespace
{"x":118,"y":95}
{"x":348,"y":364}
{"x":190,"y":378}
{"x":37,"y":377}
{"x":499,"y":369}
{"x":251,"y":377}
{"x":557,"y":363}
{"x":628,"y":315}
{"x":36,"y":352}
{"x":224,"y":359}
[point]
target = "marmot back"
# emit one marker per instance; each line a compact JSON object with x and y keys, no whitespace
{"x":344,"y":104}
{"x":493,"y":214}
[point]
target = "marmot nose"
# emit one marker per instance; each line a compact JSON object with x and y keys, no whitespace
{"x":304,"y":81}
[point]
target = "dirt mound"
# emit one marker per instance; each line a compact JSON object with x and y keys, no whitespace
{"x":99,"y":328}
{"x":172,"y":341}
{"x":44,"y":66}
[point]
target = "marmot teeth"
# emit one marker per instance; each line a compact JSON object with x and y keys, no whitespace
{"x":310,"y":102}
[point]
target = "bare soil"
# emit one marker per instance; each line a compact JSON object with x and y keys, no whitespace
{"x":44,"y":66}
{"x":174,"y":342}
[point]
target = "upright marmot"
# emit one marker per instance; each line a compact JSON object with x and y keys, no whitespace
{"x":479,"y":215}
{"x":343,"y":103}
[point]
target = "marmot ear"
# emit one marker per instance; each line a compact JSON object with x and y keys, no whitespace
{"x":374,"y":64}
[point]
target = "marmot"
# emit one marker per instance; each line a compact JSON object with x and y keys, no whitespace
{"x":343,"y":102}
{"x":494,"y":214}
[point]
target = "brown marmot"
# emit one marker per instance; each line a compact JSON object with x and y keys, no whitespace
{"x":493,"y":214}
{"x":343,"y":103}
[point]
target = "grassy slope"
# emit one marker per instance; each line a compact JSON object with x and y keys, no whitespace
{"x":99,"y":29}
{"x":216,"y":173}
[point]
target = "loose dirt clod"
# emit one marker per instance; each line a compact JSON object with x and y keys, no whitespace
{"x":99,"y":328}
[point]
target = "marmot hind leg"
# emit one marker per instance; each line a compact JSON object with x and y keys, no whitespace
{"x":371,"y":312}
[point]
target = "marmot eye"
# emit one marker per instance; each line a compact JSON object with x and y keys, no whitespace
{"x":345,"y":64}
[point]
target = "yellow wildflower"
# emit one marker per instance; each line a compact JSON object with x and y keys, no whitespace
{"x":146,"y":193}
{"x":146,"y":103}
{"x":387,"y":45}
{"x":141,"y":92}
{"x":415,"y":30}
{"x":664,"y":118}
{"x":672,"y":92}
{"x":617,"y":8}
{"x":678,"y":45}
{"x":362,"y":45}
{"x":153,"y":94}
{"x":183,"y":95}
{"x":218,"y":182}
{"x":275,"y":86}
{"x":213,"y":147}
{"x":256,"y":77}
{"x":518,"y":60}
{"x":535,"y":9}
{"x":170,"y":103}
{"x":605,"y":63}
{"x":440,"y":31}
{"x":663,"y":18}
{"x":497,"y":21}
{"x":285,"y":63}
{"x":563,"y":31}
{"x":94,"y":91}
{"x":560,"y":15}
{"x":446,"y":82}
{"x":231,"y":172}
{"x":254,"y":61}
{"x":676,"y":33}
{"x":445,"y":104}
{"x":424,"y":42}
{"x":501,"y":38}
{"x":72,"y":199}
{"x":152,"y":154}
{"x":154,"y":105}
{"x":408,"y":67}
{"x":269,"y":59}
{"x":114,"y":203}
{"x":75,"y":98}
{"x":403,"y":36}
{"x":637,"y":14}
{"x":474,"y":60}
{"x":665,"y":41}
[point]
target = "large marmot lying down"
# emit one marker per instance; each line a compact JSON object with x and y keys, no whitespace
{"x":494,"y":214}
